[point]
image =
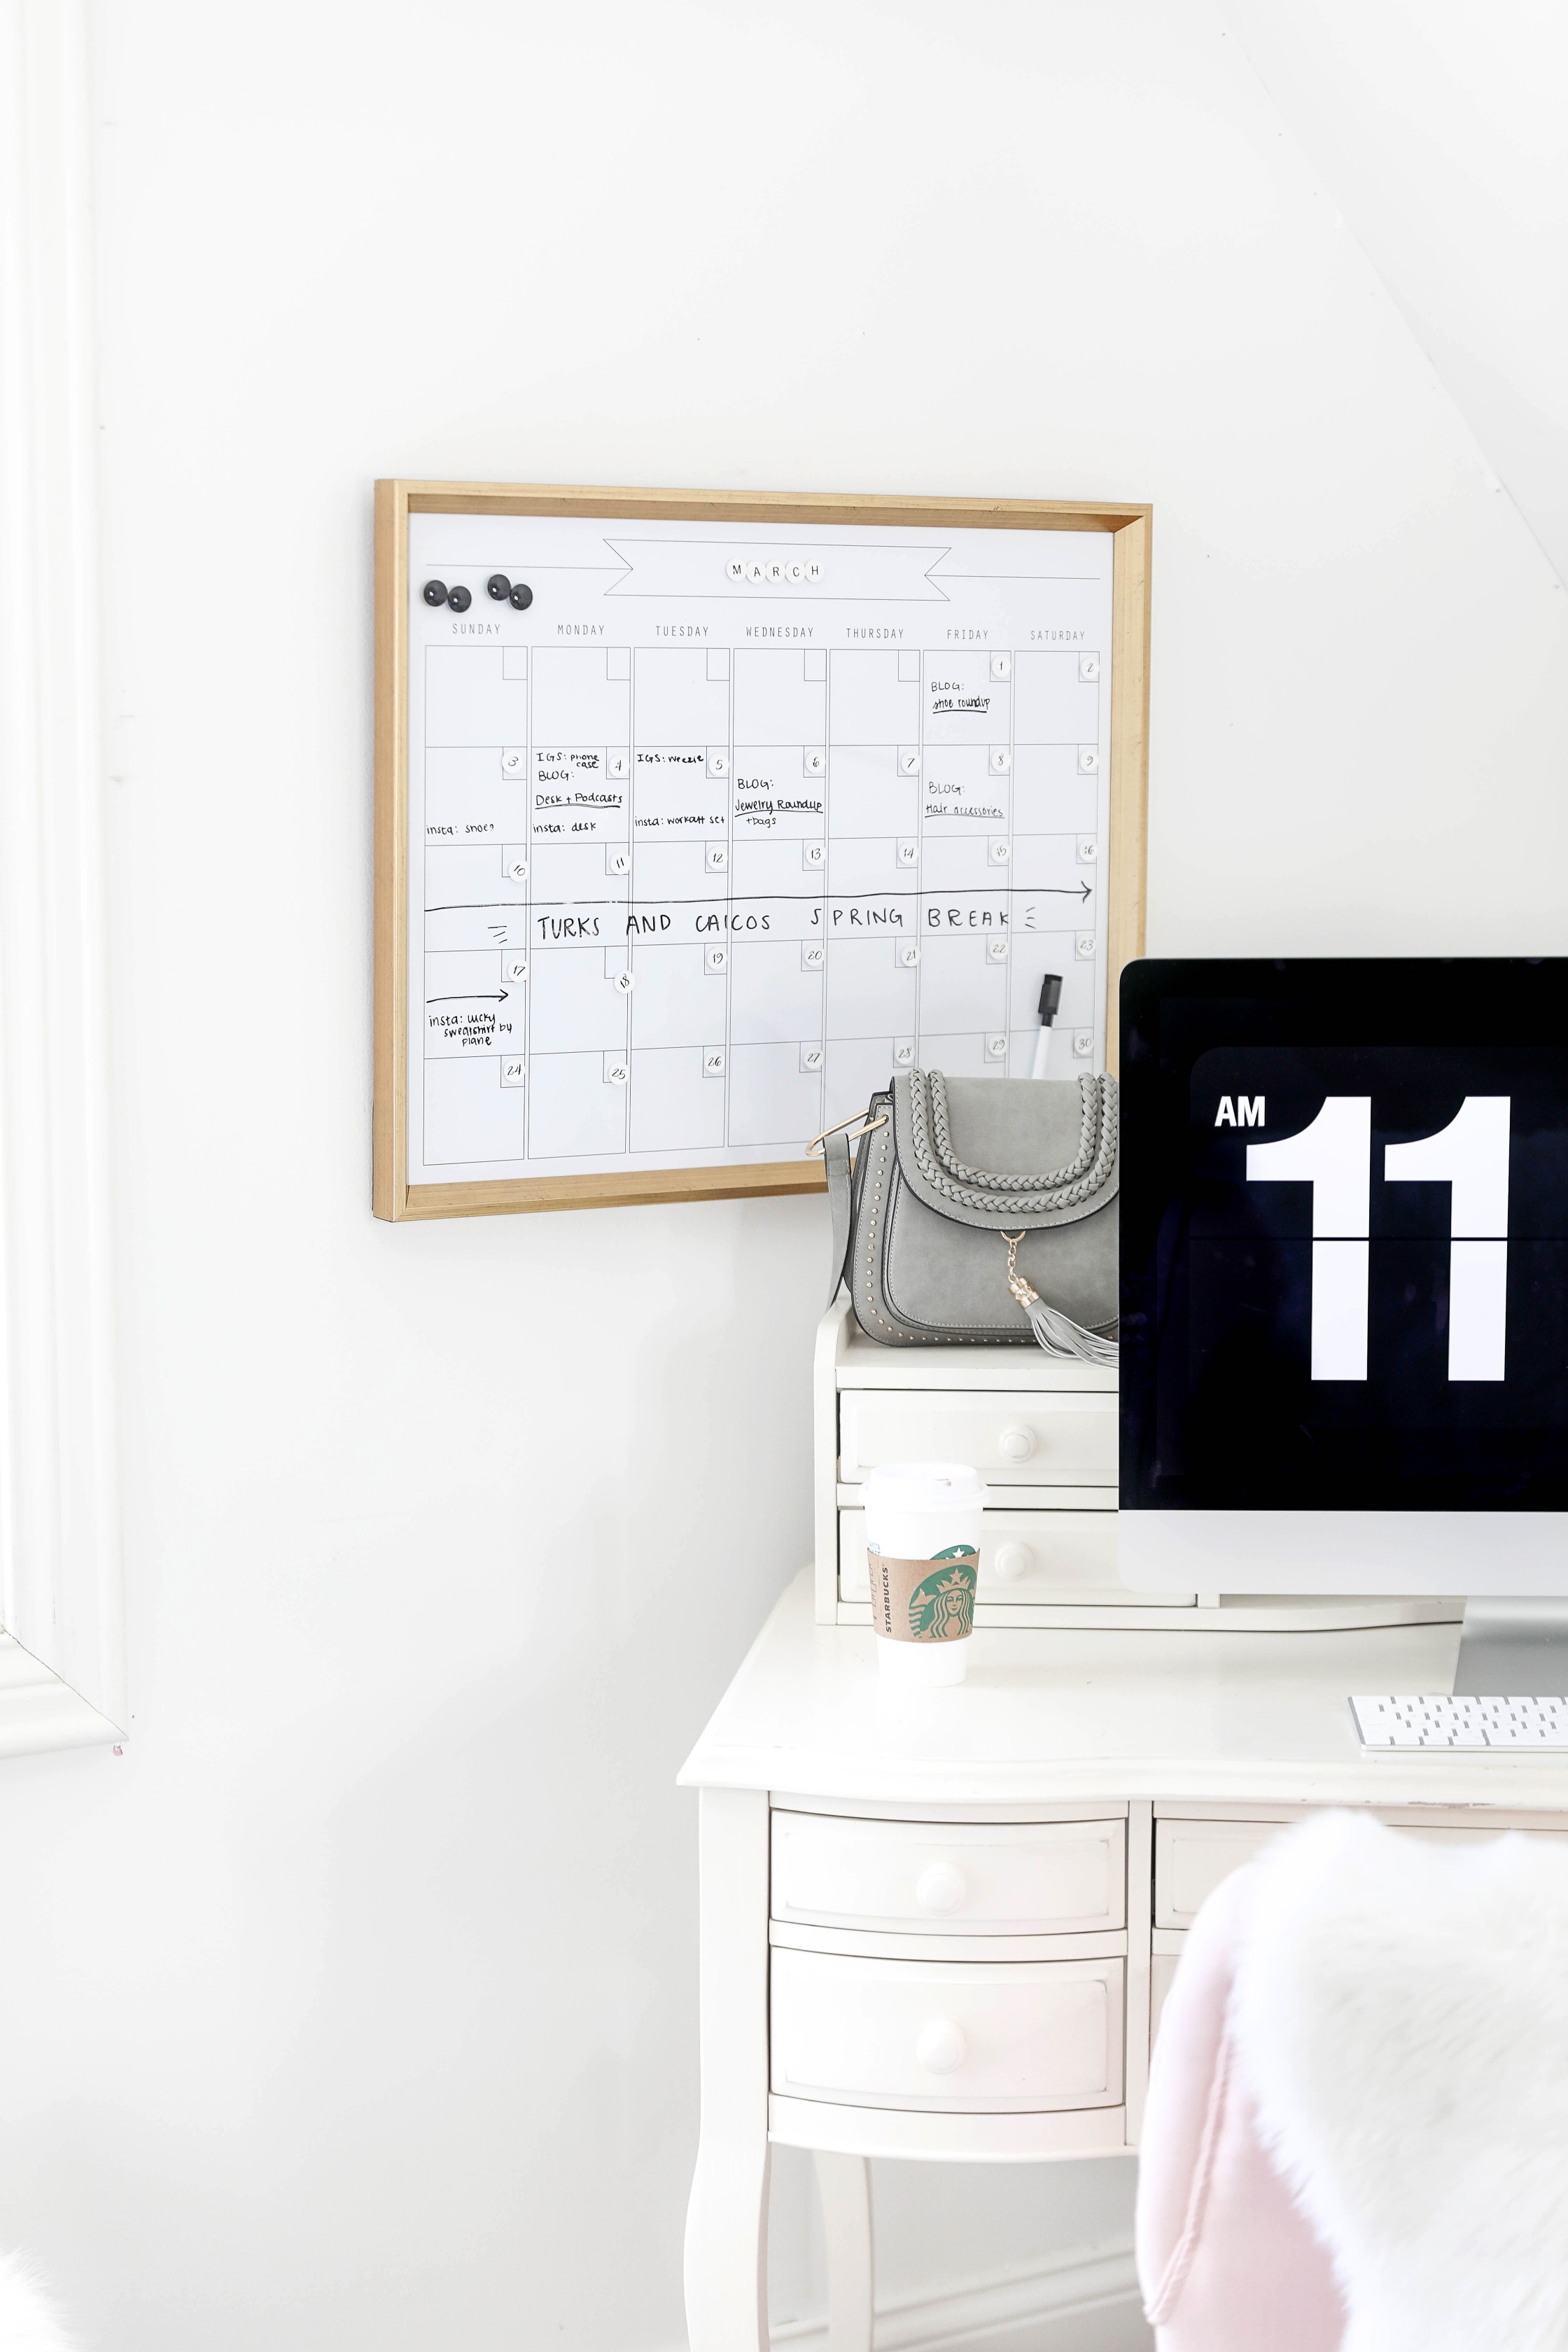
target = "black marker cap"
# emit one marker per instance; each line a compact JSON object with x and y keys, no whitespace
{"x":459,"y":599}
{"x":435,"y":591}
{"x":522,"y":596}
{"x":498,"y":586}
{"x":1050,"y":998}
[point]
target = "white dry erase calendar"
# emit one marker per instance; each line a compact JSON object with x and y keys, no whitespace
{"x":699,"y":815}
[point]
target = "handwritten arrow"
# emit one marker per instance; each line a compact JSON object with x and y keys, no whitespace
{"x":474,"y":997}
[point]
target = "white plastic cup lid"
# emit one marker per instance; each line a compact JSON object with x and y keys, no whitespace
{"x":924,"y":1486}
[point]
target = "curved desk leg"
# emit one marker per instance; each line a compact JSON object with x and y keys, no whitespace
{"x":844,"y":2185}
{"x":727,"y":2220}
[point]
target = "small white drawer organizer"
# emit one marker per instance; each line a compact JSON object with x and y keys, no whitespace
{"x":1042,"y":1431}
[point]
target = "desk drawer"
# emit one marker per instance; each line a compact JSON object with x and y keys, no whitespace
{"x":1021,"y":2036}
{"x":1026,"y":1878}
{"x":1030,"y":1439}
{"x":1191,"y":1858}
{"x":1049,"y":1558}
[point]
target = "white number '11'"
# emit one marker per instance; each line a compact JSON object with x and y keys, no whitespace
{"x":1334,"y":1156}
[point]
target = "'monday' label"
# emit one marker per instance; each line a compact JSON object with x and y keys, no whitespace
{"x":924,"y":1599}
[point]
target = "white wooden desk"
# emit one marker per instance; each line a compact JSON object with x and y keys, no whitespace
{"x":939,"y":1926}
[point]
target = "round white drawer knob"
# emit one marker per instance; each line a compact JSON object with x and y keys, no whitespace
{"x":940,"y":1887}
{"x":942,"y":2048}
{"x":1012,"y":1560}
{"x":1016,"y":1442}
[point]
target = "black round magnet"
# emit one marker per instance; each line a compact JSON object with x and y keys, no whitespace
{"x":499,"y":586}
{"x":522,"y":596}
{"x":459,"y":599}
{"x":435,"y":591}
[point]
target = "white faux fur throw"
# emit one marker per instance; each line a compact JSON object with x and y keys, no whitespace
{"x":27,"y":2319}
{"x":1400,"y":2016}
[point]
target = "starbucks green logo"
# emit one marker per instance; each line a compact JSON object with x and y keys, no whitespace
{"x":941,"y":1606}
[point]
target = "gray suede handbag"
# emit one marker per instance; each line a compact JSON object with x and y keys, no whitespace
{"x":981,"y":1209}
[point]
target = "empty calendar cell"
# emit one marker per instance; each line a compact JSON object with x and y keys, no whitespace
{"x":770,"y":996}
{"x":673,"y":871}
{"x":779,"y":875}
{"x":868,"y":865}
{"x":960,"y":862}
{"x":1048,"y":861}
{"x":571,"y":1005}
{"x":774,"y":701}
{"x":1048,"y":793}
{"x":870,"y":702}
{"x":677,"y":700}
{"x":675,"y":1107}
{"x":1051,"y":703}
{"x":677,"y":1002}
{"x":771,"y":1100}
{"x":470,"y":700}
{"x":869,"y":992}
{"x":869,"y":793}
{"x":572,"y":1113}
{"x":575,"y":700}
{"x":957,"y":974}
{"x":471,"y":876}
{"x":470,"y":1120}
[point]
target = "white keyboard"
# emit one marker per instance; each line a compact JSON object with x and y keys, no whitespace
{"x":1503,"y":1723}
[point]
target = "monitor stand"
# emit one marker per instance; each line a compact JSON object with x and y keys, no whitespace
{"x":1514,"y":1649}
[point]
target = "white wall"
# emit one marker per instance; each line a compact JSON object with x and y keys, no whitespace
{"x":354,"y":2004}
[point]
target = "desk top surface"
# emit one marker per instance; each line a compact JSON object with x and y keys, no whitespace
{"x":1062,"y":1716}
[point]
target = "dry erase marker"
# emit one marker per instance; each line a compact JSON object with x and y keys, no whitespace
{"x":1050,"y":998}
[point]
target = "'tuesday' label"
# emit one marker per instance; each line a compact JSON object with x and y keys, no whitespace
{"x":924,"y":1599}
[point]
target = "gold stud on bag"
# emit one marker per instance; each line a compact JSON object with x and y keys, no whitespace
{"x":945,"y":1168}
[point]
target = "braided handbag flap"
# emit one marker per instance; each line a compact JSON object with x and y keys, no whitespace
{"x":1001,"y":1152}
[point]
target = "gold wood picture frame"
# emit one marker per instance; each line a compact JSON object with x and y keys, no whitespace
{"x":1129,"y":526}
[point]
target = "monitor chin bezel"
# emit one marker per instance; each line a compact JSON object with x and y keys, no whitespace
{"x":1435,"y":1554}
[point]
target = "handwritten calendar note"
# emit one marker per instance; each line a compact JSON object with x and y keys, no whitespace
{"x":712,"y":825}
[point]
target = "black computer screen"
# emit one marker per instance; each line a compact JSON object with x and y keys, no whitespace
{"x":1344,"y":1236}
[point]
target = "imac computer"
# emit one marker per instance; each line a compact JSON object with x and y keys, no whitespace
{"x":1344,"y":1289}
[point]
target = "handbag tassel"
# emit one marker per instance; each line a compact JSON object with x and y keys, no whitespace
{"x":1058,"y":1334}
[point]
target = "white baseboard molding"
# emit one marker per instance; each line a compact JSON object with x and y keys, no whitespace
{"x":1078,"y":2303}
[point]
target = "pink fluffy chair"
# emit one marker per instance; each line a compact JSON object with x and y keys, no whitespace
{"x":1224,"y":2258}
{"x":1356,"y":2137}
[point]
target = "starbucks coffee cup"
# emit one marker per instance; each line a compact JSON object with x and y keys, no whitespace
{"x":922,"y":1553}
